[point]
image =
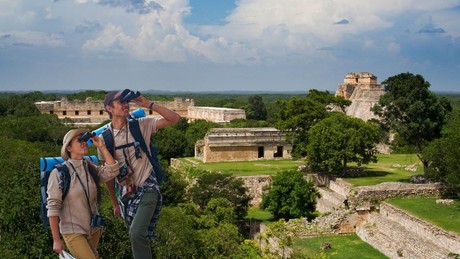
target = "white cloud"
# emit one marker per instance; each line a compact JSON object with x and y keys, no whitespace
{"x":161,"y":36}
{"x":32,"y":39}
{"x":255,"y":31}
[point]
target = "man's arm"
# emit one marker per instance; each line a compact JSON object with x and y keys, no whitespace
{"x":170,"y":117}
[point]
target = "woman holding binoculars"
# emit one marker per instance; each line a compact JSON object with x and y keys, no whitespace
{"x":75,"y":215}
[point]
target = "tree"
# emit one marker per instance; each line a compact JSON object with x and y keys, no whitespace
{"x":210,"y":185}
{"x":176,"y":234}
{"x":298,"y":115}
{"x":221,"y":241}
{"x":195,"y":131}
{"x":42,"y":128}
{"x":170,"y":141}
{"x":256,"y":110}
{"x":20,"y":201}
{"x":340,"y":139}
{"x":96,"y":95}
{"x":412,"y":111}
{"x":242,"y":123}
{"x":290,"y":195}
{"x":187,"y":231}
{"x":174,"y":188}
{"x":443,"y":155}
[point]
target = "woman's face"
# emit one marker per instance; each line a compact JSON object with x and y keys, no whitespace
{"x":77,"y":149}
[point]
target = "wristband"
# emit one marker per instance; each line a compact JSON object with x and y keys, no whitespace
{"x":151,"y":105}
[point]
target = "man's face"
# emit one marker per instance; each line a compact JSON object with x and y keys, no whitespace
{"x":119,"y":109}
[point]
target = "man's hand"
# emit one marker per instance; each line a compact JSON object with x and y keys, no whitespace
{"x":116,"y":211}
{"x":142,"y":101}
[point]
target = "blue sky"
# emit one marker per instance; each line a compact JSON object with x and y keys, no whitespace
{"x":221,"y":45}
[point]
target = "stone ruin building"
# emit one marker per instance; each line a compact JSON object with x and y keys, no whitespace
{"x":242,"y":144}
{"x":215,"y":114}
{"x":363,"y":91}
{"x":91,"y":112}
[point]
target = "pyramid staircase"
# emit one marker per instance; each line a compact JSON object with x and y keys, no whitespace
{"x":400,"y":235}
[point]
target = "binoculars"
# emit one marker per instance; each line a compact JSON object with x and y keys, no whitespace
{"x":86,"y":136}
{"x":129,"y":96}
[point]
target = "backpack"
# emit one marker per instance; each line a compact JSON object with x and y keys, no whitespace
{"x":135,"y":130}
{"x":47,"y":165}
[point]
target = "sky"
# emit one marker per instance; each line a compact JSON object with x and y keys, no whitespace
{"x":224,"y":45}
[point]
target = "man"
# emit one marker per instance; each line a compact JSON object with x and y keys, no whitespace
{"x":140,"y":198}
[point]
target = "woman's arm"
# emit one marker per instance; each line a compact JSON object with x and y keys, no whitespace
{"x":58,"y":246}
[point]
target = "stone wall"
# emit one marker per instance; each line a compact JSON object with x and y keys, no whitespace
{"x":392,"y":231}
{"x":370,"y":196}
{"x":363,"y":99}
{"x":438,"y":236}
{"x":242,"y":144}
{"x":215,"y":114}
{"x":256,"y":185}
{"x":91,"y":112}
{"x":397,"y":234}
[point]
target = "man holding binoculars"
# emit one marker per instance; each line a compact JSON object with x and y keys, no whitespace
{"x":139,"y":199}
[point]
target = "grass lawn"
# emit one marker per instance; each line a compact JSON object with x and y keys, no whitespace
{"x":245,"y":168}
{"x":342,"y":246}
{"x":443,"y":216}
{"x":258,"y":214}
{"x":389,"y":168}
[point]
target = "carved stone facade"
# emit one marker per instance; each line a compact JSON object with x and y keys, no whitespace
{"x":91,"y":112}
{"x":215,"y":114}
{"x":363,"y":91}
{"x":242,"y":144}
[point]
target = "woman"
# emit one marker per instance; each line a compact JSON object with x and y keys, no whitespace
{"x":72,"y":215}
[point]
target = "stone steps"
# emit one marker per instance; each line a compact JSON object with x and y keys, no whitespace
{"x":396,"y":241}
{"x":329,"y":200}
{"x":442,"y":238}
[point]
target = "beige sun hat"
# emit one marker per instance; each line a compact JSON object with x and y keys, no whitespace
{"x":66,"y":141}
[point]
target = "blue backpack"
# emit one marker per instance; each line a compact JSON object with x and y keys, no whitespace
{"x":47,"y":165}
{"x":135,"y":130}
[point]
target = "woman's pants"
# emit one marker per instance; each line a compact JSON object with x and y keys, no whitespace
{"x":83,"y":246}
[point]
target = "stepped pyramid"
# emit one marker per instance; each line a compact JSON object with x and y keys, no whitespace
{"x":362,"y":90}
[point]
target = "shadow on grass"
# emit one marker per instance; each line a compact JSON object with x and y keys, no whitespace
{"x":366,"y":174}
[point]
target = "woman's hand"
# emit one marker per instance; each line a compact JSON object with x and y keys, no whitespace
{"x":58,"y":246}
{"x":97,"y":141}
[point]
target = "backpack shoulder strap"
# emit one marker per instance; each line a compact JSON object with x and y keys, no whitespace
{"x":91,"y":168}
{"x":108,"y":139}
{"x":64,"y":176}
{"x":135,"y":130}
